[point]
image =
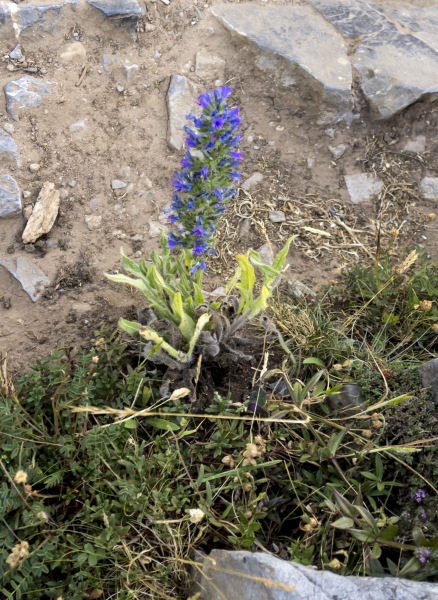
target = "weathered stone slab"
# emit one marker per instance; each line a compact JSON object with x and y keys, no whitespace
{"x":10,"y":198}
{"x":421,"y":21}
{"x":429,"y":376}
{"x":44,"y":213}
{"x":208,"y":66}
{"x":363,"y":187}
{"x":352,"y":18}
{"x":180,"y":102}
{"x":292,"y":581}
{"x":429,"y":187}
{"x":9,"y":154}
{"x":32,"y":279}
{"x":416,"y":145}
{"x":315,"y":54}
{"x":122,"y":13}
{"x":25,"y":92}
{"x":34,"y":20}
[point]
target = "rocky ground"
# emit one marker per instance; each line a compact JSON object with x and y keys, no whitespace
{"x":99,"y":115}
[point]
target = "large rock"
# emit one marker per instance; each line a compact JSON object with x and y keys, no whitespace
{"x":429,"y":376}
{"x":34,"y":20}
{"x":44,"y":213}
{"x":363,"y":187}
{"x":429,"y":187}
{"x":265,"y":577}
{"x":298,"y":46}
{"x":25,"y":92}
{"x":121,"y":13}
{"x":10,"y":200}
{"x":9,"y":154}
{"x":180,"y":102}
{"x":397,"y":59}
{"x":32,"y":279}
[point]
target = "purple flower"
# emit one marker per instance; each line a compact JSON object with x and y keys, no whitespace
{"x":199,"y":249}
{"x":422,"y":554}
{"x":198,"y":231}
{"x":423,"y":514}
{"x":218,"y":122}
{"x":419,"y":495}
{"x":191,"y":143}
{"x":204,"y":172}
{"x":225,"y":91}
{"x":236,"y":155}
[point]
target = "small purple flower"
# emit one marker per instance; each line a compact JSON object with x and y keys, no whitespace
{"x":204,"y":172}
{"x":209,"y":145}
{"x":423,"y":514}
{"x":198,"y":231}
{"x":218,"y":122}
{"x":422,"y":554}
{"x":225,"y":91}
{"x":236,"y":155}
{"x":419,"y":495}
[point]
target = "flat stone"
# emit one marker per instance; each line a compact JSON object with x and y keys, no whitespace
{"x":252,"y":181}
{"x":93,"y":221}
{"x":9,"y":154}
{"x":355,"y":18}
{"x":266,"y":254}
{"x":209,"y":67}
{"x":10,"y":200}
{"x":32,"y":279}
{"x":116,"y":184}
{"x":349,"y":396}
{"x":338,"y":151}
{"x":25,"y":92}
{"x":121,"y":13}
{"x":429,"y":376}
{"x":180,"y":102}
{"x":74,"y":52}
{"x":429,"y":188}
{"x":277,"y":216}
{"x":130,"y":71}
{"x":33,"y":21}
{"x":292,"y":581}
{"x":155,"y":229}
{"x":44,"y":213}
{"x":16,"y":53}
{"x":363,"y":187}
{"x":416,"y":145}
{"x":285,"y":38}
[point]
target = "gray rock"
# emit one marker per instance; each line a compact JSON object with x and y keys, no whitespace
{"x":10,"y":200}
{"x":93,"y":221}
{"x":285,"y":39}
{"x":417,"y":145}
{"x":208,"y":66}
{"x":16,"y":53}
{"x":155,"y":229}
{"x":25,"y":92}
{"x":9,"y":128}
{"x":252,"y":182}
{"x":429,"y":187}
{"x":349,"y":396}
{"x":429,"y":376}
{"x":395,"y":68}
{"x":292,"y":581}
{"x":338,"y":151}
{"x":266,"y":254}
{"x":32,"y":21}
{"x":180,"y":102}
{"x":363,"y":187}
{"x":277,"y":216}
{"x":32,"y":279}
{"x":298,"y":288}
{"x":9,"y":154}
{"x":34,"y":167}
{"x":121,"y":13}
{"x":130,"y":71}
{"x":116,"y":184}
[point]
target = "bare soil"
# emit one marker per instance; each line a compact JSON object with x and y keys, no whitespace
{"x":125,"y":138}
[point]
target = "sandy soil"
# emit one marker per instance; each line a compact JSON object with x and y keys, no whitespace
{"x":125,"y":138}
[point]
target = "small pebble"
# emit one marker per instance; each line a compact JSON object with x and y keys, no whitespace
{"x":116,"y":184}
{"x":34,"y":167}
{"x":72,"y":183}
{"x":8,"y":127}
{"x":26,"y":194}
{"x":277,"y":216}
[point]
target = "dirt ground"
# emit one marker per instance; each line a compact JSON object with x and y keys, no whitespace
{"x":125,"y":138}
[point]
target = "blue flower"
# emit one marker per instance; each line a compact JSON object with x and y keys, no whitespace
{"x":225,"y":91}
{"x":218,"y":122}
{"x":209,"y":145}
{"x":204,"y":172}
{"x":236,"y":155}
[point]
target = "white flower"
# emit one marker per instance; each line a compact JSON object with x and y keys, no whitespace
{"x":196,"y":515}
{"x":20,"y":476}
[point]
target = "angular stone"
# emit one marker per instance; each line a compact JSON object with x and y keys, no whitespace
{"x":130,"y":71}
{"x":266,"y":254}
{"x":44,"y":213}
{"x":338,"y":151}
{"x":429,"y":188}
{"x":33,"y":20}
{"x":253,"y":181}
{"x":93,"y":221}
{"x":349,"y":396}
{"x":16,"y":53}
{"x":285,"y":37}
{"x":429,"y":376}
{"x":25,"y":92}
{"x":180,"y":102}
{"x":10,"y":200}
{"x":155,"y":229}
{"x":116,"y":184}
{"x":291,"y":581}
{"x":363,"y":187}
{"x":74,"y":52}
{"x":209,"y":67}
{"x":32,"y":279}
{"x":277,"y":216}
{"x":354,"y":17}
{"x":421,"y":21}
{"x":9,"y":154}
{"x":416,"y":145}
{"x":121,"y":13}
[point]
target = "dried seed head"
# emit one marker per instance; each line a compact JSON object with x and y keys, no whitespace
{"x":430,"y":216}
{"x":337,"y":367}
{"x":394,"y":233}
{"x":333,"y":282}
{"x":20,"y":476}
{"x":228,"y":460}
{"x":251,"y":451}
{"x":95,"y":360}
{"x":42,"y":516}
{"x":19,"y":553}
{"x":435,"y":327}
{"x":247,"y":487}
{"x":196,"y":515}
{"x":425,"y":305}
{"x":335,"y":564}
{"x":367,"y":433}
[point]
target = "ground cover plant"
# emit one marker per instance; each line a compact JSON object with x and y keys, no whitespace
{"x":120,"y":461}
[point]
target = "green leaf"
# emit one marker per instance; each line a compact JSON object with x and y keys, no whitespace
{"x":131,"y":424}
{"x":313,"y":361}
{"x":199,"y":297}
{"x":379,"y":467}
{"x":335,"y":440}
{"x":230,"y":285}
{"x":282,"y":255}
{"x":129,"y":326}
{"x":202,"y":321}
{"x":137,"y":283}
{"x":162,"y":424}
{"x":246,"y":285}
{"x":343,"y":523}
{"x":186,"y":324}
{"x":389,"y":533}
{"x":376,"y":551}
